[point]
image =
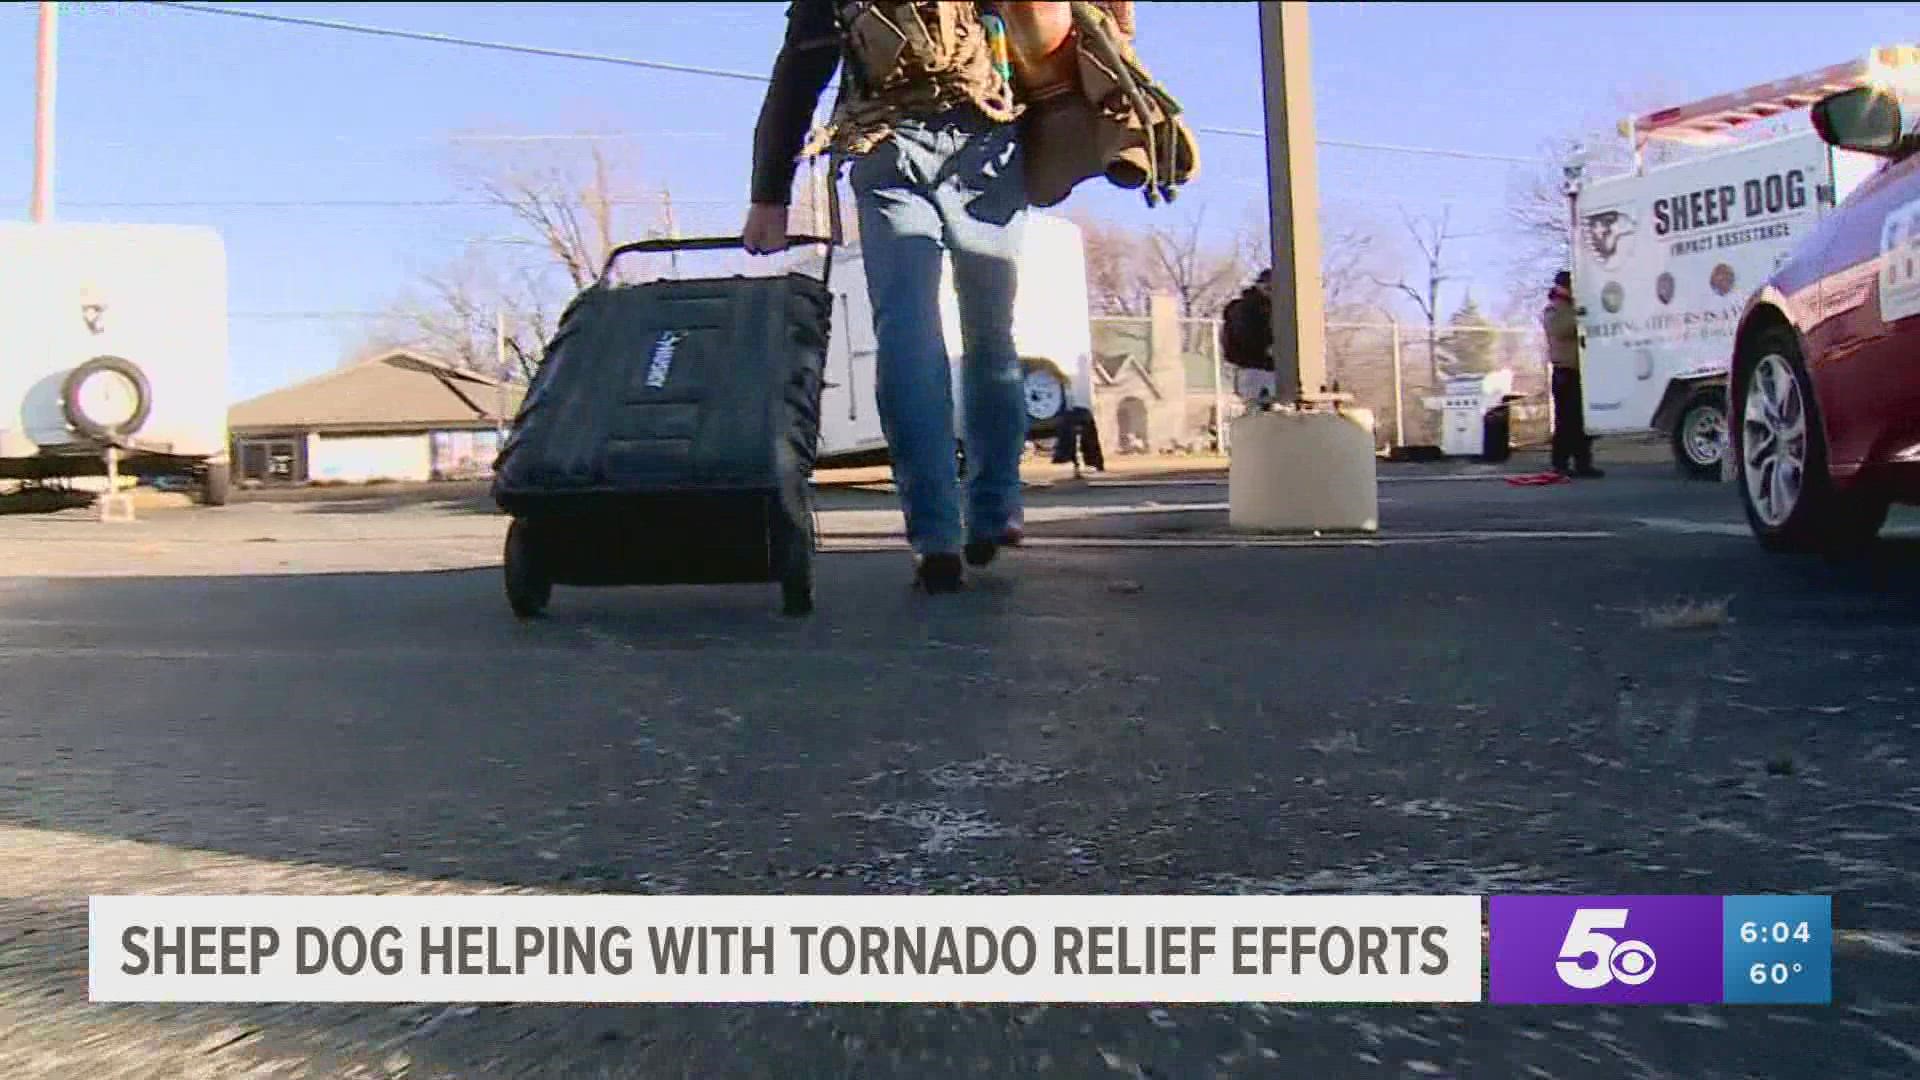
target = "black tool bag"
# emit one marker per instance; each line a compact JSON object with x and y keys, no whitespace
{"x":669,"y":435}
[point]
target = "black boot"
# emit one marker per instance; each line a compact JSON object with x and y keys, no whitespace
{"x":981,"y":552}
{"x":938,"y":573}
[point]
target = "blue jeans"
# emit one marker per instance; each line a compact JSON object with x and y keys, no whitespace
{"x":947,"y":186}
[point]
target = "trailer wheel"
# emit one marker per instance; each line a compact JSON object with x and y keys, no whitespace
{"x":529,"y":587}
{"x":216,"y":483}
{"x":1700,"y":434}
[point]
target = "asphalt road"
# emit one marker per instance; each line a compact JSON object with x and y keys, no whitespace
{"x":1492,"y":695}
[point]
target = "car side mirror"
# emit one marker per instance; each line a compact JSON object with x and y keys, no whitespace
{"x":1864,"y":119}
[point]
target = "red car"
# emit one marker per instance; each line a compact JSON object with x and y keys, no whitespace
{"x":1824,"y":434}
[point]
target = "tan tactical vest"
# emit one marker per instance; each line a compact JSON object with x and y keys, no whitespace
{"x":914,"y":58}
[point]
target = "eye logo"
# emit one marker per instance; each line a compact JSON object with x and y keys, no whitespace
{"x":1607,"y":233}
{"x":1590,"y":959}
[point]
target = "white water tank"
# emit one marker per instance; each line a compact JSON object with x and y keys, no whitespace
{"x":140,"y":313}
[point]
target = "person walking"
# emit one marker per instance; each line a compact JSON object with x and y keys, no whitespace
{"x":928,"y":120}
{"x":1572,"y":449}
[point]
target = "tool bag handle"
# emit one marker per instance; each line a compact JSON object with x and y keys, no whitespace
{"x":727,"y":243}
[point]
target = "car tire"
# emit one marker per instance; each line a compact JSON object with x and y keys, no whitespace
{"x":1810,"y":515}
{"x":75,"y":412}
{"x":1700,"y":434}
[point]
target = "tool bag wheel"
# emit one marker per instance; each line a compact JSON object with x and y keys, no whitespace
{"x":796,"y":590}
{"x":529,"y":587}
{"x":793,"y":541}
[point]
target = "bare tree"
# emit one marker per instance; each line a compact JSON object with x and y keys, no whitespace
{"x":573,"y":211}
{"x":1348,"y":270}
{"x":1430,"y":238}
{"x":1538,"y":208}
{"x":1118,"y":280}
{"x":564,"y":210}
{"x":1126,"y":268}
{"x":476,"y":315}
{"x":1540,"y":214}
{"x":1201,"y":276}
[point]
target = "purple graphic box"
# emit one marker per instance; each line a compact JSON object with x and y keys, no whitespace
{"x":1616,"y":950}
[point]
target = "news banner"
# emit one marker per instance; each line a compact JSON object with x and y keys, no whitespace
{"x":1517,"y":950}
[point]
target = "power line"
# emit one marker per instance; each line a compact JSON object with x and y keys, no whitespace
{"x":353,"y":204}
{"x":472,"y":43}
{"x":722,"y":73}
{"x":175,"y":145}
{"x":312,"y":315}
{"x":1348,"y":144}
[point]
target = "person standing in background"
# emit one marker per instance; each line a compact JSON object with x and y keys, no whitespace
{"x":1572,"y":449}
{"x":1246,"y":340}
{"x":1078,"y":441}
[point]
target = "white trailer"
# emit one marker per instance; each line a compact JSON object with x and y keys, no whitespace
{"x":1665,"y":258}
{"x":118,"y":340}
{"x":1051,"y":331}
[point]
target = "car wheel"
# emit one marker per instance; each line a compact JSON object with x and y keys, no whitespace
{"x":1789,"y":497}
{"x":1700,"y":434}
{"x":1046,"y":393}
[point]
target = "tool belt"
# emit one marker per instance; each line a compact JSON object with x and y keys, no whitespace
{"x":892,"y":42}
{"x":1091,"y":108}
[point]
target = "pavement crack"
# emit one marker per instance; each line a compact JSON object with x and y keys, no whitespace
{"x":228,"y":1039}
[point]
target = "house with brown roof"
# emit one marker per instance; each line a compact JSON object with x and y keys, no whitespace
{"x":393,"y":415}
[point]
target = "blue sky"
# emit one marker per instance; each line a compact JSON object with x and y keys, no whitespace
{"x":168,"y":106}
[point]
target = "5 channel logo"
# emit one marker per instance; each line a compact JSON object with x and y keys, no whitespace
{"x":1590,"y":959}
{"x":1660,"y":950}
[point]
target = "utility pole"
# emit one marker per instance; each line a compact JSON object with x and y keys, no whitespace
{"x":42,"y":210}
{"x":1572,"y":175}
{"x":1219,"y":392}
{"x":673,"y":231}
{"x":500,"y":367}
{"x":1299,"y":315}
{"x":1399,"y":414}
{"x":1433,"y":320}
{"x":1307,"y":466}
{"x":813,"y":195}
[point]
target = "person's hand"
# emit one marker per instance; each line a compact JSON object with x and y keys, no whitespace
{"x":766,"y":229}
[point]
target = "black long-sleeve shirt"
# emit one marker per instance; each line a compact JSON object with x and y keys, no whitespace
{"x":809,"y":56}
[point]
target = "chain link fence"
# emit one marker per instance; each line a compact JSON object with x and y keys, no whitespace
{"x":1399,"y":371}
{"x":1167,"y":392}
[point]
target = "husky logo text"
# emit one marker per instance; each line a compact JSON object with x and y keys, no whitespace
{"x":662,"y":359}
{"x":1606,"y":234}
